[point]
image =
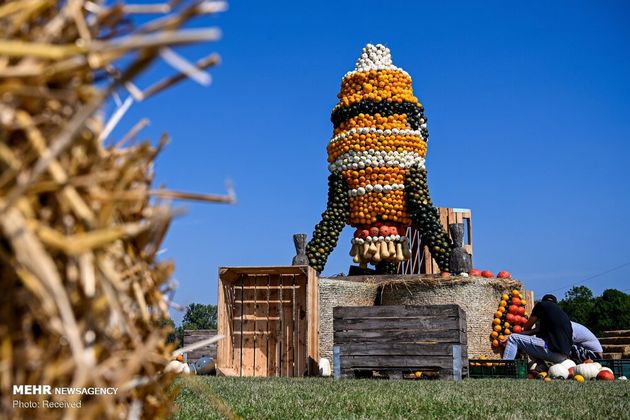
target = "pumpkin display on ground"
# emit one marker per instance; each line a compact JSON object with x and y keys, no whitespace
{"x":586,"y":371}
{"x":378,"y":181}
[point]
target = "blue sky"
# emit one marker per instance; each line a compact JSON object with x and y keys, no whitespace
{"x":529,"y":115}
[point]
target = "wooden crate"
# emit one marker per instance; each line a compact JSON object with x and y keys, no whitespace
{"x":421,"y":261}
{"x":193,"y":336}
{"x":398,"y":339}
{"x":269,"y":317}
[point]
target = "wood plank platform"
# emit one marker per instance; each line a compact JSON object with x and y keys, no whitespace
{"x":398,"y":339}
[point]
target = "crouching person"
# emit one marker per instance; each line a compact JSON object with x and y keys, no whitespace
{"x":553,"y":334}
{"x":585,"y":344}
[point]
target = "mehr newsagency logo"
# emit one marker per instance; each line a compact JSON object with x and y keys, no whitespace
{"x":49,"y":390}
{"x":58,"y":390}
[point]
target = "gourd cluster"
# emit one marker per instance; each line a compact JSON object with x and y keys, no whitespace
{"x":334,"y":218}
{"x":510,"y":317}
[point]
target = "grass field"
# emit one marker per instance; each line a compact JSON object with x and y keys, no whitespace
{"x":318,"y":398}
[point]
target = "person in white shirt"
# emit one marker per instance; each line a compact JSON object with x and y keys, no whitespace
{"x":585,"y":344}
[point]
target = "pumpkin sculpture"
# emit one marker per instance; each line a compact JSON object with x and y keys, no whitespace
{"x":378,"y":180}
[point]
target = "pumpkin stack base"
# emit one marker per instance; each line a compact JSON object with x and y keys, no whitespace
{"x":373,"y":244}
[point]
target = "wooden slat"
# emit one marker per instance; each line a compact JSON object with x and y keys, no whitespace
{"x":237,"y":325}
{"x":529,"y":298}
{"x":268,"y":302}
{"x":395,"y":311}
{"x":427,"y":261}
{"x":224,"y":371}
{"x":403,"y":362}
{"x":229,"y":274}
{"x":394,"y":349}
{"x":468,"y":217}
{"x":443,"y":216}
{"x":312,"y":314}
{"x":224,"y":349}
{"x":286,"y":361}
{"x":415,"y":324}
{"x":302,"y":327}
{"x":295,"y":338}
{"x":401,"y":336}
{"x":249,"y":340}
{"x":262,"y":318}
{"x":252,"y":317}
{"x":274,"y":326}
{"x":450,"y":219}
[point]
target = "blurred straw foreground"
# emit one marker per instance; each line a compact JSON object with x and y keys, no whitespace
{"x":83,"y":294}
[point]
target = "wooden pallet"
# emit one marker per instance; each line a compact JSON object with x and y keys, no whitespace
{"x":269,"y":316}
{"x":193,"y":336}
{"x":398,"y":339}
{"x":421,"y":261}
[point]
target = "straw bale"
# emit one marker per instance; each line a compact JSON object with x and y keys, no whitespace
{"x":478,"y":297}
{"x":84,"y":294}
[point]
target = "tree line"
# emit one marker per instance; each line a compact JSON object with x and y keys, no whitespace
{"x":610,"y":311}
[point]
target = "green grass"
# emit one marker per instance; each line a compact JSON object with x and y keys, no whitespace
{"x":318,"y":398}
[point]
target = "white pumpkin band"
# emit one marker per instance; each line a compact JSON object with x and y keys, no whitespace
{"x":362,"y":159}
{"x":357,"y":192}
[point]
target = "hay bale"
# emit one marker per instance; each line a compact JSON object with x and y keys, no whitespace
{"x":84,"y":294}
{"x":478,"y":297}
{"x":340,"y":291}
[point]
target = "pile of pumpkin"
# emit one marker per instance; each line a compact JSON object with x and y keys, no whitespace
{"x":510,"y":317}
{"x":588,"y":370}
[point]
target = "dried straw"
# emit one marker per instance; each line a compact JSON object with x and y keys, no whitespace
{"x":80,"y":225}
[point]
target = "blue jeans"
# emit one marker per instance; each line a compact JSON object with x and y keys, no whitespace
{"x":535,"y":347}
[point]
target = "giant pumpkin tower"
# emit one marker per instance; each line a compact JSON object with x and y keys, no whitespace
{"x":378,"y":180}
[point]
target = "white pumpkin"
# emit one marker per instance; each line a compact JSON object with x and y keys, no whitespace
{"x":598,"y":365}
{"x":174,"y":366}
{"x":324,"y":367}
{"x":568,"y":364}
{"x":558,"y":371}
{"x":587,"y":370}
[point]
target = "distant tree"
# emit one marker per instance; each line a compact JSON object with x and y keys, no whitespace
{"x":200,"y":317}
{"x":611,"y":311}
{"x":578,"y":304}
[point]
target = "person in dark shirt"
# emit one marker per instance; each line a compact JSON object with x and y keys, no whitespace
{"x":553,"y":334}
